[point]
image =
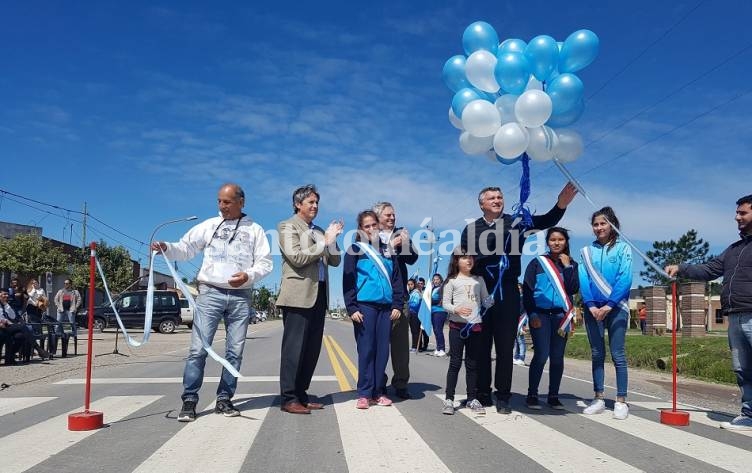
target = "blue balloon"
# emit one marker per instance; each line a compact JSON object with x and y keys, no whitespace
{"x":454,"y":73}
{"x":542,"y":54}
{"x":512,"y":72}
{"x":461,"y":99}
{"x":567,"y":118}
{"x":579,"y":50}
{"x":480,"y":35}
{"x":566,"y":90}
{"x":512,"y":45}
{"x":508,"y":161}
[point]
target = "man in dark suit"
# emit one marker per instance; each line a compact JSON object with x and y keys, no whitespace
{"x":307,"y":251}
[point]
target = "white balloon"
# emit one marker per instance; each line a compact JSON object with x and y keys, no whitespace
{"x":511,"y":140}
{"x":570,"y":145}
{"x":542,"y":144}
{"x":479,"y":70}
{"x":454,"y":120}
{"x":481,"y":118}
{"x":534,"y":84}
{"x":505,"y":105}
{"x":474,"y":144}
{"x":533,"y":108}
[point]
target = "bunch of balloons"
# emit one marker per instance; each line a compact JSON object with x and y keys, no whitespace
{"x":514,"y":97}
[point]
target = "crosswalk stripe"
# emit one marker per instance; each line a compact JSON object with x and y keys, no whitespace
{"x":10,"y":405}
{"x":696,"y":414}
{"x":212,"y":442}
{"x":207,"y":379}
{"x":23,"y":449}
{"x":547,"y":447}
{"x":694,"y":446}
{"x":380,"y":439}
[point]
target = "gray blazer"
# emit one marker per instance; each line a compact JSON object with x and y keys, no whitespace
{"x":300,"y":262}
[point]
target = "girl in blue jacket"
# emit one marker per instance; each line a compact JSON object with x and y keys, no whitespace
{"x":373,"y":293}
{"x":605,"y":279}
{"x":550,"y":283}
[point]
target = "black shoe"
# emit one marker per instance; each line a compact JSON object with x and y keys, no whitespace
{"x":188,"y":412}
{"x":402,"y":393}
{"x":502,"y":407}
{"x":554,"y":403}
{"x":225,"y":407}
{"x":485,"y":400}
{"x":532,"y":403}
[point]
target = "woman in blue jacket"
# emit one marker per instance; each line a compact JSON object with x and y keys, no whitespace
{"x":605,"y":279}
{"x":438,"y":314}
{"x":549,"y":285}
{"x":373,"y":293}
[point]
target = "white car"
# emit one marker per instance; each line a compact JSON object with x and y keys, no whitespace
{"x":186,"y":313}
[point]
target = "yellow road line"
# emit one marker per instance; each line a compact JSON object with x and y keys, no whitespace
{"x":344,"y":385}
{"x":345,"y":359}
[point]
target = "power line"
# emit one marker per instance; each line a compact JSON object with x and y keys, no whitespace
{"x":691,"y":120}
{"x":646,"y":49}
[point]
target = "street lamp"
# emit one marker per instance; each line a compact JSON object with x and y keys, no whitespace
{"x":169,"y":222}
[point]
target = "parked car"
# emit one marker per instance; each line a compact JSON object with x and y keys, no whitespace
{"x":186,"y":313}
{"x":131,"y":307}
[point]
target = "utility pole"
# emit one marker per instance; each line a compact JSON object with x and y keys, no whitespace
{"x":429,"y":227}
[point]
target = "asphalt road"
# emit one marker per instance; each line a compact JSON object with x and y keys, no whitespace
{"x":140,"y":396}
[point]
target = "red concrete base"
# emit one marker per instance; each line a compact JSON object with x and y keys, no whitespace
{"x":669,"y":417}
{"x":88,"y":420}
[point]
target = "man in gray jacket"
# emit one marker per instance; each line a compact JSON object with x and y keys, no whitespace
{"x":735,"y":265}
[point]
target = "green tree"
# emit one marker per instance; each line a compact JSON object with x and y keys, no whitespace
{"x":687,"y":249}
{"x":116,"y":263}
{"x":262,"y":298}
{"x":29,"y":256}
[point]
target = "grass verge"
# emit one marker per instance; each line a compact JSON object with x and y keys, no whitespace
{"x":706,"y":358}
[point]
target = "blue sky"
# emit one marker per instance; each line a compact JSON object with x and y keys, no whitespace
{"x":142,"y":109}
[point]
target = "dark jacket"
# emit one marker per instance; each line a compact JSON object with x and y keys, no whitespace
{"x":539,"y":295}
{"x":489,"y":253}
{"x":735,"y":265}
{"x":407,"y":254}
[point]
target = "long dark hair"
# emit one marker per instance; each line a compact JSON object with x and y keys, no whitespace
{"x":564,"y":232}
{"x":610,"y":216}
{"x":454,"y":263}
{"x":362,"y":216}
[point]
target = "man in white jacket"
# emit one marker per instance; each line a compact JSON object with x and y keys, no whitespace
{"x":236,"y":255}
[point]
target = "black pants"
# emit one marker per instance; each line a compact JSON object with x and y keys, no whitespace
{"x":418,"y":333}
{"x":301,"y":344}
{"x":17,"y":339}
{"x":499,"y":330}
{"x":470,"y":346}
{"x":399,"y":345}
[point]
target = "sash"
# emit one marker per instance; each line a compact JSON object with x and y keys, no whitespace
{"x":557,"y":281}
{"x":376,"y":259}
{"x":598,"y":279}
{"x":521,"y":322}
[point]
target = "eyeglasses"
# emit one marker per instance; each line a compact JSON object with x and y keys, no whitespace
{"x":234,"y":231}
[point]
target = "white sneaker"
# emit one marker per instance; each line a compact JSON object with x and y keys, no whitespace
{"x":519,"y":362}
{"x":439,"y":353}
{"x":621,"y":410}
{"x":596,"y":406}
{"x":738,"y":423}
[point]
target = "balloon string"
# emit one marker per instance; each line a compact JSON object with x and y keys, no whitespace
{"x":626,"y":239}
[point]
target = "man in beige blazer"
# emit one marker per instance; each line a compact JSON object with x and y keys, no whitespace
{"x":307,"y":251}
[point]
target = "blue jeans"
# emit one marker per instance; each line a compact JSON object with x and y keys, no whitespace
{"x":549,"y":345}
{"x":213,"y":305}
{"x":616,"y":323}
{"x":519,"y":347}
{"x":740,"y":342}
{"x":438,"y":319}
{"x":372,"y":339}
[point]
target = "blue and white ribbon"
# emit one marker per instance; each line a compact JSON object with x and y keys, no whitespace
{"x":197,"y":324}
{"x":521,"y":322}
{"x":598,"y":278}
{"x":557,"y":281}
{"x":149,"y":310}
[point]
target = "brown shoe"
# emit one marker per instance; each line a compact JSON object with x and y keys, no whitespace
{"x":314,"y":405}
{"x":294,"y":407}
